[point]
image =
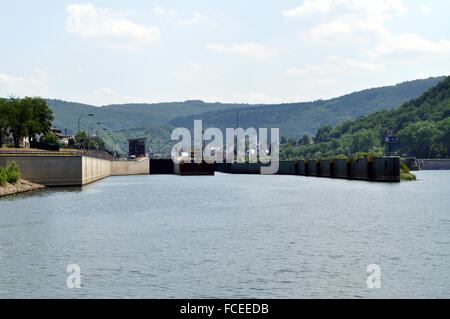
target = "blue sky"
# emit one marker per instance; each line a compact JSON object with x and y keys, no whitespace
{"x":103,"y":52}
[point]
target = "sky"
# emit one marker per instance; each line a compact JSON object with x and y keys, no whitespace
{"x":237,"y":51}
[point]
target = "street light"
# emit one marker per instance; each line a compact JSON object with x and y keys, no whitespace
{"x":90,"y":114}
{"x":89,"y":134}
{"x":79,"y":120}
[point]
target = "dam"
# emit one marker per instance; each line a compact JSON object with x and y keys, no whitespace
{"x":72,"y":168}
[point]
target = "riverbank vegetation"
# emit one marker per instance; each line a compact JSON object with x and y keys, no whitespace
{"x":405,"y":174}
{"x":9,"y":175}
{"x":27,"y":117}
{"x":10,"y":182}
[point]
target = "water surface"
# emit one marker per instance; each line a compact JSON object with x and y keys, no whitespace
{"x":230,"y":236}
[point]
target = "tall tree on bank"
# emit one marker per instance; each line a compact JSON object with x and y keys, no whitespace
{"x":5,"y":114}
{"x":41,"y":118}
{"x":26,"y":117}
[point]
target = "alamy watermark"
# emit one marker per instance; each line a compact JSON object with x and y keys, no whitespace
{"x":74,"y":278}
{"x":237,"y":142}
{"x":374,"y":279}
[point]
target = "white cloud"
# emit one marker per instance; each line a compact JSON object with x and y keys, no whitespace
{"x":346,"y":28}
{"x":335,"y":66}
{"x":425,"y":10}
{"x":193,"y":72}
{"x":11,"y":81}
{"x":105,"y":92}
{"x":362,"y":20}
{"x":198,"y":17}
{"x":21,"y":86}
{"x":247,"y":49}
{"x":310,"y":7}
{"x":87,"y":21}
{"x":372,"y":7}
{"x":410,"y":42}
{"x":163,"y":11}
{"x":174,"y":17}
{"x":348,"y":19}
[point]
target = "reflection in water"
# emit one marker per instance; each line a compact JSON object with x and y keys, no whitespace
{"x":228,"y":236}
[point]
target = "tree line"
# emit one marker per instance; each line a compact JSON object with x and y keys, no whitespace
{"x":27,"y":117}
{"x":421,"y":127}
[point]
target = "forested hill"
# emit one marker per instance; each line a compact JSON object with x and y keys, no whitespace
{"x":127,"y":116}
{"x":422,"y":127}
{"x":133,"y":120}
{"x":297,"y":119}
{"x":293,"y":119}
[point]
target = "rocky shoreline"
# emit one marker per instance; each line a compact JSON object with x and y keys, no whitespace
{"x":21,"y":187}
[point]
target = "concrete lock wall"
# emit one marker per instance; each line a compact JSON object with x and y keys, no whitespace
{"x":161,"y":166}
{"x":194,"y":169}
{"x":301,"y":167}
{"x":138,"y":167}
{"x":288,"y":168}
{"x":386,"y":169}
{"x":223,"y":167}
{"x":433,"y":164}
{"x":246,"y":168}
{"x":325,"y":168}
{"x":313,"y":168}
{"x":49,"y":171}
{"x":341,"y":168}
{"x":72,"y":170}
{"x":360,"y":169}
{"x":94,"y":169}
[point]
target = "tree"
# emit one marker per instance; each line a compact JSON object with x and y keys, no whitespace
{"x":323,"y":134}
{"x":444,"y":135}
{"x":24,"y":117}
{"x":41,"y":118}
{"x":49,"y":138}
{"x":365,"y":140}
{"x":5,"y":115}
{"x":81,"y":139}
{"x":292,"y":142}
{"x":21,"y":114}
{"x":305,"y":140}
{"x":84,"y":141}
{"x":417,"y":138}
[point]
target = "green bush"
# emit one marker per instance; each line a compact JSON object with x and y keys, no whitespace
{"x":12,"y":171}
{"x":3,"y":177}
{"x":404,"y":167}
{"x":407,"y":177}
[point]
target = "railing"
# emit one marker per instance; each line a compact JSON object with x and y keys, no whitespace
{"x":62,"y":152}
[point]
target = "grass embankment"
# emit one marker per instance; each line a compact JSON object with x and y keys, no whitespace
{"x":10,"y":182}
{"x":405,"y":174}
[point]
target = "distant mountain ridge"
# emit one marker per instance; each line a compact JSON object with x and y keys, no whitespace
{"x":421,"y":127}
{"x":296,"y":119}
{"x":293,"y":119}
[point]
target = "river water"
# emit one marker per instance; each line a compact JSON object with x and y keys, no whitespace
{"x":229,"y":236}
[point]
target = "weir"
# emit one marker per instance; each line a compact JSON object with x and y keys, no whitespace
{"x":64,"y":169}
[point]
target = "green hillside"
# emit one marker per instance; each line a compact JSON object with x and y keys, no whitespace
{"x":422,"y":127}
{"x":156,"y":121}
{"x":127,"y":116}
{"x":297,"y":119}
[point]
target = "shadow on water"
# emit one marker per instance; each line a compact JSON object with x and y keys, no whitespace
{"x":42,"y":193}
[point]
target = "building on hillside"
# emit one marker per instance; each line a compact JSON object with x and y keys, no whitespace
{"x":64,"y":139}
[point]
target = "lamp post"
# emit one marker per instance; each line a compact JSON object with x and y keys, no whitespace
{"x":89,"y":135}
{"x":79,"y":120}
